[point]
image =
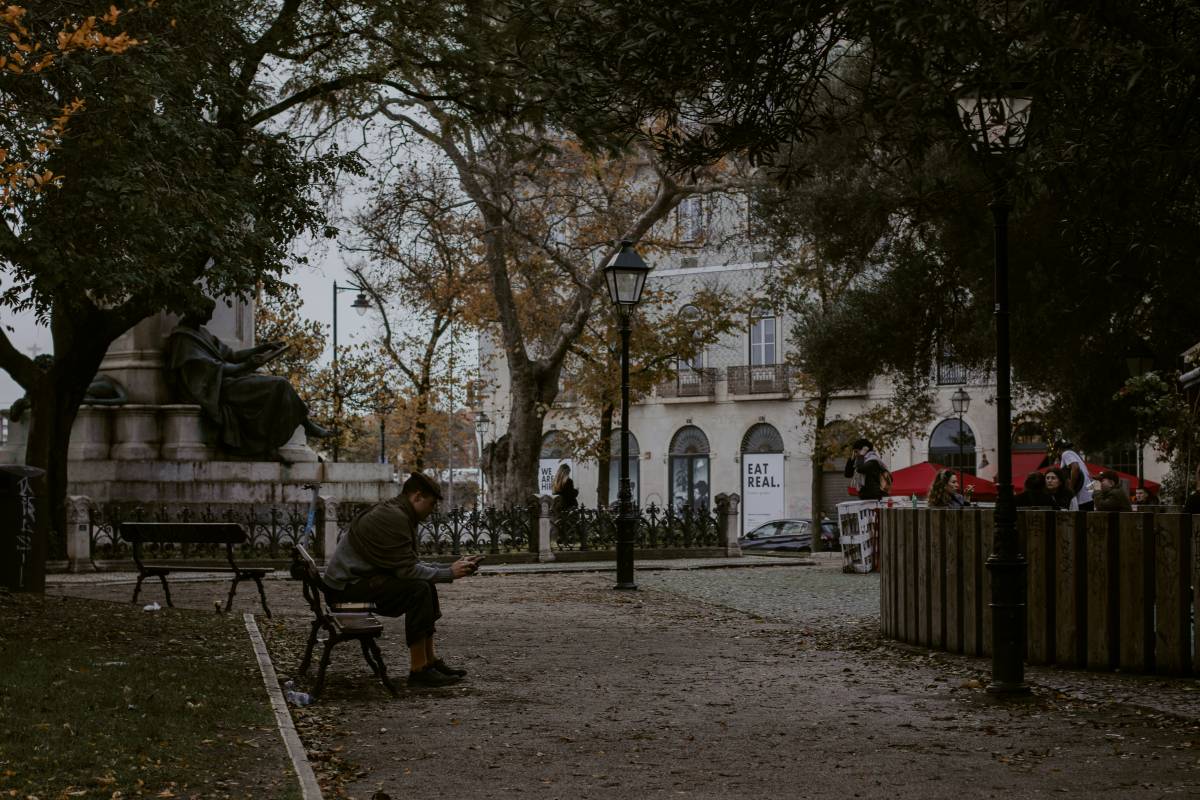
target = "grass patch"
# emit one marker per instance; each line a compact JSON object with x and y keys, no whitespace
{"x":105,"y":700}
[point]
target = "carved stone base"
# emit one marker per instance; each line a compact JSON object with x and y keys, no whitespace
{"x":135,"y":433}
{"x":184,"y":437}
{"x":91,"y":435}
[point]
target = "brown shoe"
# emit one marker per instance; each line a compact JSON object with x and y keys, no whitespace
{"x":430,"y":678}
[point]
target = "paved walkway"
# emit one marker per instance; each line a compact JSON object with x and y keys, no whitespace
{"x":712,"y":683}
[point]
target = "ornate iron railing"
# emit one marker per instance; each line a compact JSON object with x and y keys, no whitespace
{"x":271,"y":530}
{"x":759,"y":379}
{"x":582,"y":529}
{"x":690,"y":382}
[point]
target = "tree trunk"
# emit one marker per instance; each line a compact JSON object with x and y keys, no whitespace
{"x":606,"y":438}
{"x":818,"y":466}
{"x":518,"y":479}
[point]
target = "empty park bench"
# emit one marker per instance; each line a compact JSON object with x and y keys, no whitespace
{"x":184,"y":533}
{"x":340,"y":622}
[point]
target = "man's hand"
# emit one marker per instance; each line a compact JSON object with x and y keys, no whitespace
{"x":464,"y":566}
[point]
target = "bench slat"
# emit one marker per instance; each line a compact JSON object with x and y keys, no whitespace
{"x":183,"y":532}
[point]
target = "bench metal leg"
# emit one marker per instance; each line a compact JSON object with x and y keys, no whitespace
{"x":166,"y":590}
{"x":137,"y":589}
{"x":308,"y":651}
{"x":262,"y":594}
{"x":329,"y":643}
{"x":232,"y":590}
{"x":375,"y":659}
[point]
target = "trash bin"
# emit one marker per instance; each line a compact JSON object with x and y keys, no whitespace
{"x":858,"y":528}
{"x":22,"y":553}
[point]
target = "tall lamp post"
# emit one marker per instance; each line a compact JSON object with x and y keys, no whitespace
{"x":960,"y":401}
{"x":625,"y":274}
{"x":360,"y":305}
{"x":1139,"y":362}
{"x":997,"y":119}
{"x":481,"y":426}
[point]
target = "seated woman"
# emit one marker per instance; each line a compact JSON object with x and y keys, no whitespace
{"x":256,"y":414}
{"x":943,"y":492}
{"x":1035,"y":494}
{"x":1057,"y":486}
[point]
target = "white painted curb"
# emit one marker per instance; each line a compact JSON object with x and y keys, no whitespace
{"x":309,"y":789}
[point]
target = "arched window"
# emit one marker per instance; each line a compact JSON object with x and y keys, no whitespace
{"x":763,"y":491}
{"x":556,"y":451}
{"x":689,"y":474}
{"x":762,"y":337}
{"x":614,"y":466}
{"x":1029,"y":436}
{"x":951,"y":447}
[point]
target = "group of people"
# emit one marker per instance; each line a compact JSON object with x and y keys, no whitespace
{"x":1066,"y":486}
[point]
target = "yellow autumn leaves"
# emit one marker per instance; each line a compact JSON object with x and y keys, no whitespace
{"x":22,"y":54}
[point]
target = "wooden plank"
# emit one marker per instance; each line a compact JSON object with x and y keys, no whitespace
{"x":1194,"y":542}
{"x":1103,"y":596}
{"x":887,"y":566}
{"x":1038,"y":534}
{"x":1070,"y":638}
{"x":1135,"y":559}
{"x":1172,"y":606}
{"x":971,"y":565}
{"x":922,"y":575}
{"x":901,"y":577}
{"x":910,"y":571}
{"x":987,"y":531}
{"x":954,"y":589}
{"x":937,"y":579}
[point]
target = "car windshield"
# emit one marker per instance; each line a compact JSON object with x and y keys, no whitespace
{"x":794,"y":528}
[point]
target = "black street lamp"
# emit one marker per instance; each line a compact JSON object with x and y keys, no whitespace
{"x":1139,"y":362}
{"x":960,"y":401}
{"x":997,"y":119}
{"x":360,"y":305}
{"x":626,"y":277}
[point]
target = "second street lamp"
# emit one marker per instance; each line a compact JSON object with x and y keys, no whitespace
{"x":960,"y":401}
{"x":360,"y":305}
{"x":997,"y":119}
{"x":625,"y":274}
{"x":481,"y":426}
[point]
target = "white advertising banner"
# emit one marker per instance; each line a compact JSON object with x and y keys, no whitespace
{"x":762,"y":489}
{"x":546,"y":469}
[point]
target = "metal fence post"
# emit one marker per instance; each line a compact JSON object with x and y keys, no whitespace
{"x":79,"y":534}
{"x":727,"y":511}
{"x":545,"y":502}
{"x":331,"y":526}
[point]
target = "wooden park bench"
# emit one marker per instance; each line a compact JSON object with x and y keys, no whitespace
{"x":340,"y":622}
{"x":181,"y":533}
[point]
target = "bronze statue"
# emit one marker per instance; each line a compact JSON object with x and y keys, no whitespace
{"x":256,"y":414}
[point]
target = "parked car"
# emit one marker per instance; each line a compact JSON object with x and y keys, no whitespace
{"x":788,"y":534}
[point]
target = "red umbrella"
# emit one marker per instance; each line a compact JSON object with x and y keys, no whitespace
{"x":1130,"y":481}
{"x":915,"y":480}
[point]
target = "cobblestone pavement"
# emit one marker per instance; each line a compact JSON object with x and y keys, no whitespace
{"x":710,"y":684}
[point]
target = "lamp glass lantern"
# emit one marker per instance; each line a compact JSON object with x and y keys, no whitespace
{"x":361,"y":304}
{"x":625,"y":274}
{"x":960,"y":401}
{"x":997,"y":117}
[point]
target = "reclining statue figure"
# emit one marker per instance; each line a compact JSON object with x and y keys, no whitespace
{"x":256,"y":414}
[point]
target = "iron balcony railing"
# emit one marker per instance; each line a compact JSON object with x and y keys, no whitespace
{"x":690,"y":382}
{"x":759,"y":379}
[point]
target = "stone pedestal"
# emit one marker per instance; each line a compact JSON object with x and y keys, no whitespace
{"x":135,"y":433}
{"x":91,"y":435}
{"x":297,"y":450}
{"x":183,"y":434}
{"x":13,"y":451}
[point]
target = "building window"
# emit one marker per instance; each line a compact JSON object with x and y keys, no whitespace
{"x":762,"y":337}
{"x":690,"y":217}
{"x":690,"y":367}
{"x":953,"y":447}
{"x":614,"y":466}
{"x":689,"y":479}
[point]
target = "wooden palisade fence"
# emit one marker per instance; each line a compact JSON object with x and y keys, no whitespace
{"x":1105,"y":590}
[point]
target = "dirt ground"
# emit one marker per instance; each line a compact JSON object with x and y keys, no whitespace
{"x":578,"y":691}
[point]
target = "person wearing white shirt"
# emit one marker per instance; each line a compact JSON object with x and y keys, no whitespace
{"x":1072,"y":462}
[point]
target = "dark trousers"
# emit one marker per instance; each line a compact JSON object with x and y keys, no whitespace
{"x":416,"y":599}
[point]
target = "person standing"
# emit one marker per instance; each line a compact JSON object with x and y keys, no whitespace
{"x":867,"y":472}
{"x":1078,"y":479}
{"x":377,"y":562}
{"x":565,"y":493}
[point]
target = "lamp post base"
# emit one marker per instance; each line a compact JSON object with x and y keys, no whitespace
{"x":1008,"y":576}
{"x":626,"y":527}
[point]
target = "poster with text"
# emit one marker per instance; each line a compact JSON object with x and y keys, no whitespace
{"x":762,"y":489}
{"x":546,"y":469}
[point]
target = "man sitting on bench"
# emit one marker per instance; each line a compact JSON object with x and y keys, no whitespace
{"x":377,"y":562}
